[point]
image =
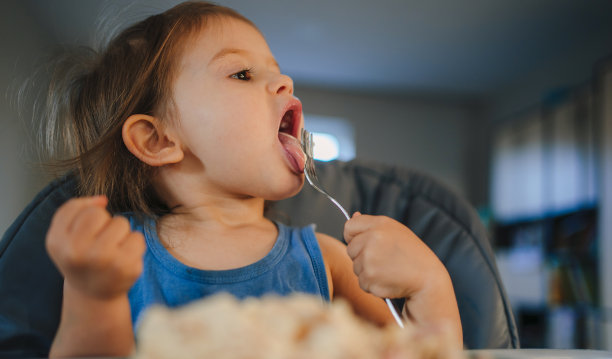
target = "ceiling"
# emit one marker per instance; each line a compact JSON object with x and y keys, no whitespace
{"x":466,"y":47}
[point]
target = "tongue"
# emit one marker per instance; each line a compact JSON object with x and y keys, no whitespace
{"x":293,"y":151}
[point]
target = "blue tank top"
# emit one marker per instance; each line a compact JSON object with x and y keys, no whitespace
{"x":294,"y":264}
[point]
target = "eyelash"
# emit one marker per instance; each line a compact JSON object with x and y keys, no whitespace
{"x":243,"y":75}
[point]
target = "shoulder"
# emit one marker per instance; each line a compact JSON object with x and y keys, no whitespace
{"x":330,"y":246}
{"x":335,"y":256}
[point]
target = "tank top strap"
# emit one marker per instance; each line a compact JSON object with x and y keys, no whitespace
{"x":309,"y":238}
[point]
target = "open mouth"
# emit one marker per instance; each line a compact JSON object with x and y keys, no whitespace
{"x":289,"y":123}
{"x":288,"y":136}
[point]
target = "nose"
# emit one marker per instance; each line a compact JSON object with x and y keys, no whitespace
{"x":281,"y":83}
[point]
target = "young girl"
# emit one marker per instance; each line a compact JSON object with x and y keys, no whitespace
{"x":185,"y":125}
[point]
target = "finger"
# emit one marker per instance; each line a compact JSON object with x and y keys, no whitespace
{"x":358,"y":266}
{"x":131,"y":252}
{"x":355,"y":247}
{"x":134,"y":244}
{"x":113,"y":234}
{"x":89,"y":222}
{"x":358,"y":224}
{"x":66,"y":214}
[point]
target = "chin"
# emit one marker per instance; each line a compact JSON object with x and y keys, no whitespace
{"x":289,"y":189}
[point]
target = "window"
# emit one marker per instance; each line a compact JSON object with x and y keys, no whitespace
{"x":334,"y":137}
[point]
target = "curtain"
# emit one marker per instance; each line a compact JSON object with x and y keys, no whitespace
{"x":545,"y":162}
{"x":553,"y":160}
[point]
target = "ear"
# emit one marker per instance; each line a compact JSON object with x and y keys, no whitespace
{"x":146,"y":138}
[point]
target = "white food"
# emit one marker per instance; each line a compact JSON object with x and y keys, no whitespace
{"x":294,"y":327}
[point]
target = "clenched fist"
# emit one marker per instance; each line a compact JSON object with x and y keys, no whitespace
{"x":98,"y":254}
{"x":388,"y":258}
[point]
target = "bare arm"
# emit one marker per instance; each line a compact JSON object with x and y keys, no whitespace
{"x":346,"y":283}
{"x":89,"y":325}
{"x":100,"y":258}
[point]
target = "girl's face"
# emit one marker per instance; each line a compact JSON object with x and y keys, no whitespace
{"x":237,"y":117}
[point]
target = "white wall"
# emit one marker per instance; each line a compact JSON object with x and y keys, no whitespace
{"x":23,"y":43}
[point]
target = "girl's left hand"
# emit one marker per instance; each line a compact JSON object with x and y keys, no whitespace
{"x":392,"y":262}
{"x":388,"y":258}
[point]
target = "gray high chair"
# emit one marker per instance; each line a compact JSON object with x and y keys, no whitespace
{"x":31,"y":286}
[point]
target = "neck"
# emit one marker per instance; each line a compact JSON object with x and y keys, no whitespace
{"x":196,"y":203}
{"x":214,"y":220}
{"x":223,"y":212}
{"x":211,"y":228}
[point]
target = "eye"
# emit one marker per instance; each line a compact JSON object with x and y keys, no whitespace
{"x":244,"y":75}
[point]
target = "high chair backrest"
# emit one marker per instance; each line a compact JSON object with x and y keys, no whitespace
{"x":31,"y":286}
{"x":448,"y":224}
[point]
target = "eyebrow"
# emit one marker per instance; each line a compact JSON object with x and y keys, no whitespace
{"x":230,"y":51}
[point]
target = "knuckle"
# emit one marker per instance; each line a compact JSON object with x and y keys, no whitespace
{"x":377,"y":220}
{"x":96,"y":212}
{"x":62,"y":212}
{"x":68,"y":206}
{"x":85,"y":218}
{"x":120,"y":225}
{"x":72,"y":202}
{"x":121,"y":221}
{"x":383,"y":221}
{"x":386,"y":219}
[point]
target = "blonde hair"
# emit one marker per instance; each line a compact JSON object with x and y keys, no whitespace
{"x":92,"y":94}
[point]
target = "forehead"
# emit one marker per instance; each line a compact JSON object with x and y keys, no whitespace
{"x":220,"y":34}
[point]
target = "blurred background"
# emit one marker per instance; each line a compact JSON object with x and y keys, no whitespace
{"x":507,"y":102}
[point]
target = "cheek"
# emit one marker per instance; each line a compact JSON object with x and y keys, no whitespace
{"x":218,"y":122}
{"x":217,"y":140}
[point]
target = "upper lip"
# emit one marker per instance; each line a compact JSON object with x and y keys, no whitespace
{"x":295,"y":106}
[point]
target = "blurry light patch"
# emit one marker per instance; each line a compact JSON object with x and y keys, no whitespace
{"x":326,"y":146}
{"x":333,"y":137}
